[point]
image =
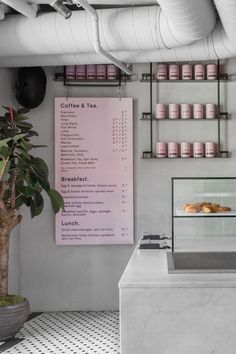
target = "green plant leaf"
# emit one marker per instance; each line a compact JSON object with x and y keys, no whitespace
{"x":24,"y":125}
{"x":38,"y":146}
{"x":26,"y":145}
{"x":40,"y":167}
{"x":4,"y":167}
{"x":19,"y":136}
{"x":32,"y":207}
{"x":42,"y":181}
{"x":56,"y":200}
{"x":27,"y":191}
{"x":5,"y":141}
{"x":22,"y":111}
{"x":39,"y":202}
{"x":7,"y":108}
{"x":31,"y":133}
{"x":4,"y":151}
{"x":19,"y":202}
{"x":36,"y":205}
{"x":20,"y":118}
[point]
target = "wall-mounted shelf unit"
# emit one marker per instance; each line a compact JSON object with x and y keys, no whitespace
{"x":221,"y":115}
{"x":122,"y":78}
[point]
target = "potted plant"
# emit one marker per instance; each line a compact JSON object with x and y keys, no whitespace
{"x":23,"y":181}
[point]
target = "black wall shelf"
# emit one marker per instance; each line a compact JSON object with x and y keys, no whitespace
{"x":122,"y":78}
{"x":221,"y":116}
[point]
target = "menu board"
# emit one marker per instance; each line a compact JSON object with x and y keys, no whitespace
{"x":94,"y":170}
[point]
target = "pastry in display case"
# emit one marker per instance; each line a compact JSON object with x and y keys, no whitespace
{"x":204,"y":196}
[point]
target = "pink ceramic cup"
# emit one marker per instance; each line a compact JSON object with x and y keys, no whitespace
{"x":211,"y":72}
{"x":198,"y":149}
{"x":210,"y":111}
{"x":210,"y":149}
{"x":199,"y":72}
{"x":198,"y":111}
{"x":173,"y":111}
{"x":185,"y":150}
{"x":174,"y":72}
{"x":161,"y":150}
{"x":187,"y":72}
{"x":173,"y":149}
{"x":160,"y":111}
{"x":101,"y":72}
{"x":162,"y":73}
{"x":186,"y":111}
{"x":70,"y":72}
{"x":80,"y":72}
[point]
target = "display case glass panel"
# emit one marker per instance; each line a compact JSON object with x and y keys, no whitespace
{"x":203,"y":213}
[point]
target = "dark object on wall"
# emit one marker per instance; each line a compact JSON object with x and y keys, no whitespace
{"x":31,"y":86}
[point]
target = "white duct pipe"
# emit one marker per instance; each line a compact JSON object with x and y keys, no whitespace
{"x":186,"y":21}
{"x":96,"y":37}
{"x":215,"y":46}
{"x":218,"y":45}
{"x":22,"y":6}
{"x":105,"y":2}
{"x":126,"y":29}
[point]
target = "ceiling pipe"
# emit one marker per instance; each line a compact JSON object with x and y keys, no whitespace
{"x":219,"y":44}
{"x":186,"y":22}
{"x":106,"y":2}
{"x":2,"y":11}
{"x":22,"y":6}
{"x":126,"y":29}
{"x":96,"y":37}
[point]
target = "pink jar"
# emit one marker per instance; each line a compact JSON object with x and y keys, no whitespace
{"x":187,"y":72}
{"x":162,"y":72}
{"x":198,"y":111}
{"x":70,"y":72}
{"x":161,"y":150}
{"x":210,"y":111}
{"x":198,"y":149}
{"x":111,"y":72}
{"x":160,"y":111}
{"x":185,"y":150}
{"x":91,"y":72}
{"x":186,"y":111}
{"x":101,"y":72}
{"x":80,"y":72}
{"x":199,"y":72}
{"x":210,"y":149}
{"x":211,"y":72}
{"x":173,"y":150}
{"x":173,"y":111}
{"x":174,"y":72}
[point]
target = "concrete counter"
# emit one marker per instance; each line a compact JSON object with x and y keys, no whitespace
{"x":165,"y":313}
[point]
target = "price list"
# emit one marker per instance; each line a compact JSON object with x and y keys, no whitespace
{"x":94,"y":170}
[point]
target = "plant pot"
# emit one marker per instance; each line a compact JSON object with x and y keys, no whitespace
{"x":12,"y":318}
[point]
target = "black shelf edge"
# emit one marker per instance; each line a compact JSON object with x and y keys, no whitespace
{"x":225,"y":155}
{"x":227,"y":79}
{"x":184,"y":119}
{"x":203,"y":216}
{"x":59,"y":77}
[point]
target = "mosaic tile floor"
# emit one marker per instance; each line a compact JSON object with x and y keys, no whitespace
{"x":67,"y":333}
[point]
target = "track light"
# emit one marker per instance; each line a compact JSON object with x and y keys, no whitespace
{"x":59,"y":6}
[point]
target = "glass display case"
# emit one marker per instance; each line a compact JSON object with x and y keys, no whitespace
{"x":203,"y":213}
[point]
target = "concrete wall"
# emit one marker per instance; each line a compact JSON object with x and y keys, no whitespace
{"x":85,"y":277}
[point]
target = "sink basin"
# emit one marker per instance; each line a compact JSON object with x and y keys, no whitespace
{"x":201,"y":262}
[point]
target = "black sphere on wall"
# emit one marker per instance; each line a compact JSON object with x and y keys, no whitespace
{"x":31,"y":86}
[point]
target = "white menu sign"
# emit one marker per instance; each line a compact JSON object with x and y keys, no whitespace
{"x":94,"y":170}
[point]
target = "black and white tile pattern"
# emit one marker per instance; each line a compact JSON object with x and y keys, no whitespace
{"x":69,"y":333}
